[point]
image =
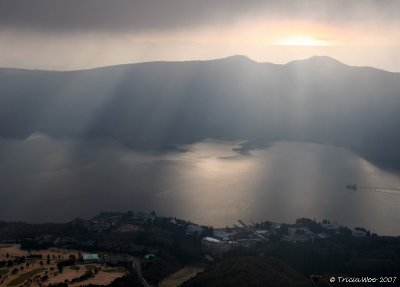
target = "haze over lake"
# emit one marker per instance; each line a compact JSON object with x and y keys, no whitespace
{"x":208,"y":182}
{"x":204,"y":141}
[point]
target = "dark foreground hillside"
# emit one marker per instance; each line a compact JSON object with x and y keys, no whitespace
{"x":127,"y":281}
{"x":249,"y":271}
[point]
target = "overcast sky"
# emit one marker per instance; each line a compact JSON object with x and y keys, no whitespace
{"x":65,"y":34}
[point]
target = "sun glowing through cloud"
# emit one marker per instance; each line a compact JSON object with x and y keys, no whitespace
{"x":301,"y":41}
{"x":276,"y":32}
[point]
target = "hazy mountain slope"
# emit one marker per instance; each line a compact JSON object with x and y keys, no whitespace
{"x":158,"y":104}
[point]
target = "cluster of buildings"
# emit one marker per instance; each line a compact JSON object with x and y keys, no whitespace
{"x":110,"y":259}
{"x":194,"y":229}
{"x":103,"y":223}
{"x":300,"y":234}
{"x":225,"y":239}
{"x":215,"y":246}
{"x":129,"y":222}
{"x":304,"y":234}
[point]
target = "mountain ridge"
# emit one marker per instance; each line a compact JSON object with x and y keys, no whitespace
{"x":238,"y":58}
{"x":157,"y":104}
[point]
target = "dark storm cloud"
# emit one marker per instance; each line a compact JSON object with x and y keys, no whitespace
{"x":134,"y":16}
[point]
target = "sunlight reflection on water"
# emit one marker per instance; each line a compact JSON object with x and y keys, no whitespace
{"x":45,"y":179}
{"x":214,"y":185}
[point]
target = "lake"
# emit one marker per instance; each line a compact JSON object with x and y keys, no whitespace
{"x":208,"y":182}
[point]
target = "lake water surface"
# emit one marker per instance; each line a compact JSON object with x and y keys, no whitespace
{"x":212,"y":184}
{"x":209,"y":183}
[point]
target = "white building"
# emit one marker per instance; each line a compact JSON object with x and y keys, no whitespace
{"x":359,"y":233}
{"x":91,"y":258}
{"x":214,"y":245}
{"x":221,"y":233}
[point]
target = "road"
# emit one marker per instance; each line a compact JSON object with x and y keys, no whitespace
{"x":137,"y":265}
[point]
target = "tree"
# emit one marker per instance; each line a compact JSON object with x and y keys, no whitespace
{"x":14,"y":271}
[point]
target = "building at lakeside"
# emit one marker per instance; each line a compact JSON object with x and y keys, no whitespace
{"x":129,"y":228}
{"x":222,"y":233}
{"x":358,"y":233}
{"x":214,"y":245}
{"x":91,"y":258}
{"x":114,"y":259}
{"x":193,"y":229}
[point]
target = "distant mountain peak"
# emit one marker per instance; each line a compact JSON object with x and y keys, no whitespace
{"x":324,"y":58}
{"x":320,"y":60}
{"x":238,"y":58}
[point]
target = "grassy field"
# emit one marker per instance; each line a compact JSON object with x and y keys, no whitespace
{"x":75,"y":267}
{"x":113,"y":270}
{"x":56,"y":254}
{"x":25,"y":276}
{"x":90,"y":267}
{"x":6,"y":246}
